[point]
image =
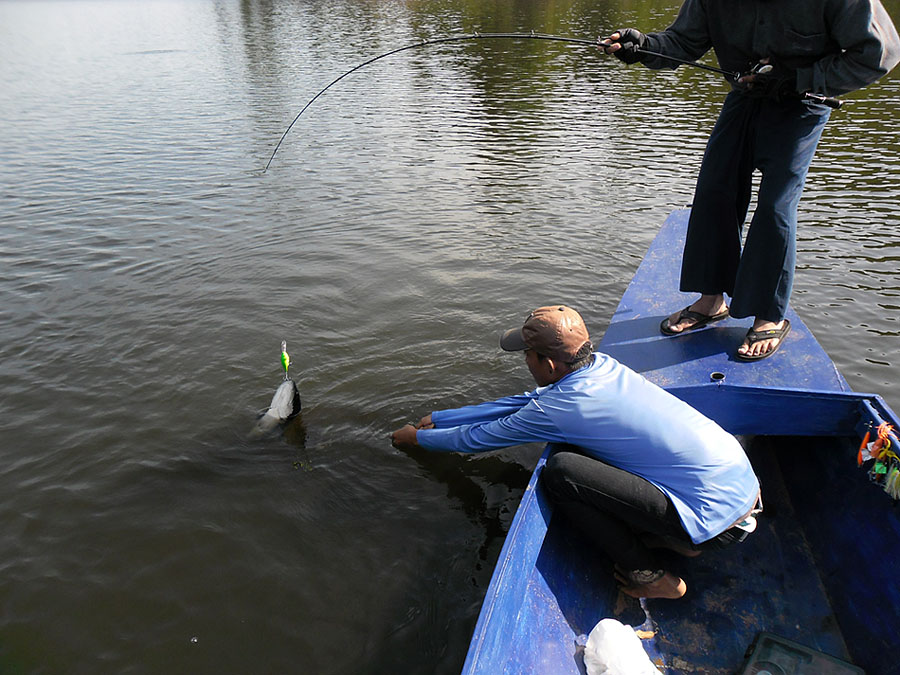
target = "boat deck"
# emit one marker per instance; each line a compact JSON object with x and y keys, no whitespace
{"x":769,"y":583}
{"x":806,"y":574}
{"x":634,"y":338}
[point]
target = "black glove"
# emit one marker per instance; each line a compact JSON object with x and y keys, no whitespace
{"x":631,"y":40}
{"x":779,"y":83}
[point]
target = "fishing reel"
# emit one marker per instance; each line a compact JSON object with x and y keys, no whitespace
{"x":764,"y":68}
{"x":760,"y":68}
{"x":765,"y":78}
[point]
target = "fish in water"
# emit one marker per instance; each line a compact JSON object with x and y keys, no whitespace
{"x":285,"y":403}
{"x":284,"y":406}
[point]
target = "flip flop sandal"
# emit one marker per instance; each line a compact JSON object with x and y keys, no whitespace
{"x":754,"y":336}
{"x":700,"y":321}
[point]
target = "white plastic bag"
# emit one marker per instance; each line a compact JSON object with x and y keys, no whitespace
{"x":613,"y":649}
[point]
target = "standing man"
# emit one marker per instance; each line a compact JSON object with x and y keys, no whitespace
{"x":826,"y":47}
{"x":642,"y":468}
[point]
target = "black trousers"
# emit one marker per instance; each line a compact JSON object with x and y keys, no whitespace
{"x":779,"y":138}
{"x":613,"y":508}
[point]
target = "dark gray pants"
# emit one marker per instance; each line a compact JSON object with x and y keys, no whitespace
{"x":613,"y":508}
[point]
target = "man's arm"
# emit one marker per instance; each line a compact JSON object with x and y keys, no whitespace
{"x":870,"y":47}
{"x":528,"y":425}
{"x":482,"y":412}
{"x":687,"y":39}
{"x":479,"y":414}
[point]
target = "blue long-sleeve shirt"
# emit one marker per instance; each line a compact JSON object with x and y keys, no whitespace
{"x":616,"y":415}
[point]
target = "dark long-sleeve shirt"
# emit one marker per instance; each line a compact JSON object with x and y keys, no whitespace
{"x":835,"y":46}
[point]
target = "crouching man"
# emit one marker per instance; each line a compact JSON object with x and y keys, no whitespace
{"x":642,"y":469}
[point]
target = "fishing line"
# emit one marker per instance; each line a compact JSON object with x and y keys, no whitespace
{"x":425,"y":43}
{"x":831,"y":102}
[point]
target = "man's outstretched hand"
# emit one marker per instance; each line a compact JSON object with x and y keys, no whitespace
{"x":404,"y":438}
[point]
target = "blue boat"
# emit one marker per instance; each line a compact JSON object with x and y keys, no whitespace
{"x":822,"y":568}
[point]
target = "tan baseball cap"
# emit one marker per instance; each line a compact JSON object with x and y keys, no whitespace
{"x":556,"y":331}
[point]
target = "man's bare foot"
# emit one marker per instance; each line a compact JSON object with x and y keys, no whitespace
{"x":667,"y":586}
{"x":763,"y":339}
{"x":705,"y":306}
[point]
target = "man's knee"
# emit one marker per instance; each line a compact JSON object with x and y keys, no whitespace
{"x":555,"y":476}
{"x":550,"y":477}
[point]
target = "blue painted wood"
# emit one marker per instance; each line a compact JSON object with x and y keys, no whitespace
{"x":689,"y":360}
{"x":804,"y":574}
{"x":508,"y":590}
{"x":779,"y":412}
{"x":853,"y":528}
{"x":543,"y":596}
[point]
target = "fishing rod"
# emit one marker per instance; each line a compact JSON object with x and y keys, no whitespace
{"x":425,"y":43}
{"x":733,"y":74}
{"x":759,"y":69}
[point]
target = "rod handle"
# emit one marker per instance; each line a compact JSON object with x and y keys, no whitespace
{"x":830,"y":101}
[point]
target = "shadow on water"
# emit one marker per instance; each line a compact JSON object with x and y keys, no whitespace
{"x":476,"y":483}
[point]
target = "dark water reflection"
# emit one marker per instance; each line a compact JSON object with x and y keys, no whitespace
{"x":149,"y":271}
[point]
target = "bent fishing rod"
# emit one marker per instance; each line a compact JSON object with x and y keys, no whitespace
{"x":831,"y":102}
{"x":426,"y":43}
